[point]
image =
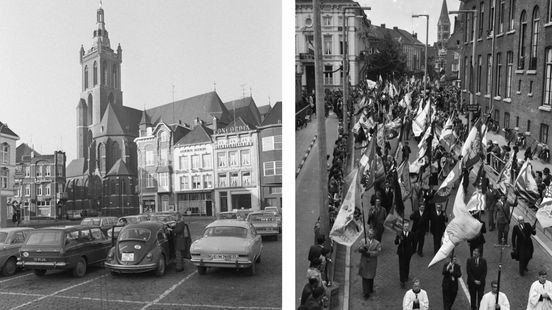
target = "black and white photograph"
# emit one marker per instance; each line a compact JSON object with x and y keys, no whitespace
{"x":422,"y":154}
{"x":141,"y":154}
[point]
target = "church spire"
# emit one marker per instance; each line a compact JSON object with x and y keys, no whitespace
{"x":443,"y":25}
{"x":100,"y":33}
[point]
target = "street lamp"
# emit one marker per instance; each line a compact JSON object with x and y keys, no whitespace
{"x":427,"y":31}
{"x":474,"y":14}
{"x":346,"y":62}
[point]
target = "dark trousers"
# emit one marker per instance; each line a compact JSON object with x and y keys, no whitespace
{"x":523,"y":262}
{"x":179,"y":259}
{"x":449,"y":295}
{"x":503,"y":229}
{"x":490,"y":220}
{"x":367,"y":286}
{"x":404,"y":267}
{"x":419,"y":242}
{"x":476,"y":293}
{"x":379,"y":232}
{"x":437,"y":242}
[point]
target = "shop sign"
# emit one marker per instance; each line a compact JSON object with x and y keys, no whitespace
{"x":231,"y":129}
{"x":193,"y":149}
{"x":234,"y":142}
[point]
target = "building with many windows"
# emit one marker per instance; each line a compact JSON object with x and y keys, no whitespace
{"x":270,"y":157}
{"x":8,"y":139}
{"x":512,"y":77}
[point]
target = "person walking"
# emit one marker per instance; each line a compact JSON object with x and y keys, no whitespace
{"x":488,"y":302}
{"x":369,"y":250}
{"x":476,"y":268}
{"x":182,"y":241}
{"x":540,"y":293}
{"x":522,"y":244}
{"x":387,"y":198}
{"x":491,"y":198}
{"x":308,"y":289}
{"x":438,"y":225}
{"x":405,"y":249}
{"x":376,"y":218}
{"x":502,"y":215}
{"x":420,"y":225}
{"x":415,"y":298}
{"x":451,"y":273}
{"x":479,"y":240}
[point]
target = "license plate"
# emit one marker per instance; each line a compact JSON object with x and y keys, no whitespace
{"x":219,"y":256}
{"x":127,"y":257}
{"x":39,"y":259}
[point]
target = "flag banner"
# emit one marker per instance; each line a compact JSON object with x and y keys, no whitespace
{"x":447,"y":133}
{"x":448,"y":184}
{"x":544,"y":213}
{"x":403,"y":179}
{"x":547,"y":193}
{"x":472,"y":150}
{"x":504,"y":178}
{"x":415,"y":166}
{"x":372,"y":165}
{"x":346,"y":228}
{"x":394,"y":221}
{"x":476,"y":202}
{"x":371,"y":84}
{"x":398,"y":152}
{"x":461,"y":228}
{"x":526,"y":185}
{"x":394,"y":125}
{"x":420,"y":121}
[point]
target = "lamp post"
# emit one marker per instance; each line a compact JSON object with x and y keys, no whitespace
{"x":346,"y":62}
{"x":472,"y":91}
{"x":427,"y":32}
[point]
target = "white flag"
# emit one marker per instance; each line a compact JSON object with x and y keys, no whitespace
{"x":346,"y":229}
{"x":420,"y":121}
{"x":544,"y":214}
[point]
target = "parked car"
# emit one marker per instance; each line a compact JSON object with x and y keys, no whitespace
{"x":277,"y":211}
{"x":64,"y":248}
{"x":131,"y":219}
{"x":104,"y":222}
{"x":168,"y":218}
{"x":141,"y":247}
{"x":227,"y":244}
{"x":236,"y":214}
{"x":11,"y":239}
{"x":265,"y":223}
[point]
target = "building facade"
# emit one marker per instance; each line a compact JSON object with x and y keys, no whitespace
{"x":270,"y":158}
{"x":8,"y":140}
{"x":39,"y":182}
{"x":513,"y":64}
{"x":332,"y":42}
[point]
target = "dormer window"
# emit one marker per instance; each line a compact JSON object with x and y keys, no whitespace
{"x":164,"y":136}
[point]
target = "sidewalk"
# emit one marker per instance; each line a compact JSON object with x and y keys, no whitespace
{"x":304,"y":137}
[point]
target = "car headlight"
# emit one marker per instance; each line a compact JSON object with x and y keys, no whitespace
{"x":149,"y":256}
{"x":26,"y":254}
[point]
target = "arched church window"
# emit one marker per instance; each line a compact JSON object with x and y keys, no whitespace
{"x":101,"y":158}
{"x":95,"y":74}
{"x":104,"y":73}
{"x":85,"y":77}
{"x":115,"y":152}
{"x":115,"y":77}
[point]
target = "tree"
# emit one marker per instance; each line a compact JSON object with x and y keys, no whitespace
{"x":389,"y":59}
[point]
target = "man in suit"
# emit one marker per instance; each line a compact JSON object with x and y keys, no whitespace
{"x":387,"y":197}
{"x":182,"y":242}
{"x":522,"y":243}
{"x":491,"y":198}
{"x":376,"y":218}
{"x":369,"y":250}
{"x":479,"y":240}
{"x":476,"y":268}
{"x":420,"y":225}
{"x":502,"y":215}
{"x":451,"y":273}
{"x":405,"y":249}
{"x":438,"y":224}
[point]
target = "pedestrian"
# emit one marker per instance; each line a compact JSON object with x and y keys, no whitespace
{"x":491,"y":198}
{"x":315,"y":301}
{"x":476,"y":268}
{"x":387,"y":198}
{"x":502,"y":215}
{"x":438,"y":224}
{"x":376,"y":217}
{"x":540,"y":293}
{"x":308,"y":289}
{"x":522,"y":244}
{"x":320,"y":251}
{"x":488,"y":302}
{"x":405,"y":249}
{"x":451,"y":273}
{"x":406,"y":151}
{"x":369,"y":250}
{"x":182,"y":242}
{"x":479,"y":240}
{"x":546,"y":177}
{"x":415,"y":298}
{"x":420,"y":225}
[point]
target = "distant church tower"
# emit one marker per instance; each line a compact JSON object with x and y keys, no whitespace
{"x":443,"y":25}
{"x":101,"y":83}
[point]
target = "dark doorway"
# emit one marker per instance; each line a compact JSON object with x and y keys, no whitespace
{"x":209,"y":208}
{"x":309,"y":71}
{"x":223,"y":201}
{"x":241,"y":201}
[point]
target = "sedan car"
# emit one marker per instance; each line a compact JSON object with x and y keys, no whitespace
{"x":265,"y":223}
{"x":227,"y":244}
{"x":141,"y":247}
{"x":131,"y":219}
{"x":11,"y":239}
{"x":64,"y":248}
{"x":167,"y":218}
{"x":105,"y":222}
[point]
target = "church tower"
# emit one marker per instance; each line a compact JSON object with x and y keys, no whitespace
{"x":443,"y":25}
{"x":101,"y":83}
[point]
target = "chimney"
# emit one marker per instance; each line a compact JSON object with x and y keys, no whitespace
{"x":415,"y":35}
{"x":214,"y":126}
{"x":395,"y":28}
{"x":382,"y":26}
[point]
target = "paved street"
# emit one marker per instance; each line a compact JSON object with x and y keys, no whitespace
{"x":306,"y":198}
{"x":218,"y":289}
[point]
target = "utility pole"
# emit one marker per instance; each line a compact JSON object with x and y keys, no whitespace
{"x":501,"y":246}
{"x":427,"y":33}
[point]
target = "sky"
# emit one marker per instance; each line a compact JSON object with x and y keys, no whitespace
{"x":190,"y":44}
{"x":399,"y":13}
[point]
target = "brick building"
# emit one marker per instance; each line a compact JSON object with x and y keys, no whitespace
{"x":270,"y":158}
{"x":8,"y":139}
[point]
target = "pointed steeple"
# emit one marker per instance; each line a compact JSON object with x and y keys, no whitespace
{"x":100,"y":35}
{"x":443,"y":24}
{"x":145,"y":120}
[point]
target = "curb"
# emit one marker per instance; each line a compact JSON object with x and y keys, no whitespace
{"x":307,"y":152}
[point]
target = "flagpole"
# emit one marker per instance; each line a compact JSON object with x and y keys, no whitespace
{"x":362,"y":212}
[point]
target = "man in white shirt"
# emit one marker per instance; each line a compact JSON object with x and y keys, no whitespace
{"x":540,"y":294}
{"x":415,"y":298}
{"x":488,"y":302}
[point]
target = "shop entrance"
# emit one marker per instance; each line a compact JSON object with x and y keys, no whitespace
{"x":241,"y":201}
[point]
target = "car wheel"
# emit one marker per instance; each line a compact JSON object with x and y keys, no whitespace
{"x":80,"y":269}
{"x":160,"y":271}
{"x":251,"y":270}
{"x":9,"y":267}
{"x":40,"y":272}
{"x":201,"y":270}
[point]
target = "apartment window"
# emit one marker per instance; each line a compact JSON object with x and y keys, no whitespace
{"x":506,"y":120}
{"x":479,"y":69}
{"x":327,"y":20}
{"x":207,"y":181}
{"x":164,"y":136}
{"x":497,"y":116}
{"x":196,"y":182}
{"x":19,"y":191}
{"x":328,"y":74}
{"x":528,"y":125}
{"x":4,"y":177}
{"x":272,"y":143}
{"x":489,"y":74}
{"x":184,"y":182}
{"x":246,"y":178}
{"x":47,"y":189}
{"x":341,"y":51}
{"x":327,"y":45}
{"x":491,"y":17}
{"x":481,"y":18}
{"x":309,"y":39}
{"x":534,"y":38}
{"x":501,"y":6}
{"x":4,"y":153}
{"x":245,"y":157}
{"x":522,"y":31}
{"x":234,"y":179}
{"x":150,"y":156}
{"x":519,"y":85}
{"x":164,"y":156}
{"x":221,"y":159}
{"x":222,"y":180}
{"x":543,"y":135}
{"x":38,"y":190}
{"x":509,"y":73}
{"x":272,"y":168}
{"x":233,"y":155}
{"x":511,"y":15}
{"x":466,"y":66}
{"x":517,"y":121}
{"x":38,"y":170}
{"x":149,"y":180}
{"x":27,"y":190}
{"x":27,"y":171}
{"x":549,"y":15}
{"x":184,"y":165}
{"x":48,"y":171}
{"x":196,"y":162}
{"x":206,"y":161}
{"x":548,"y":78}
{"x":531,"y":87}
{"x":498,"y":73}
{"x":163,"y":179}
